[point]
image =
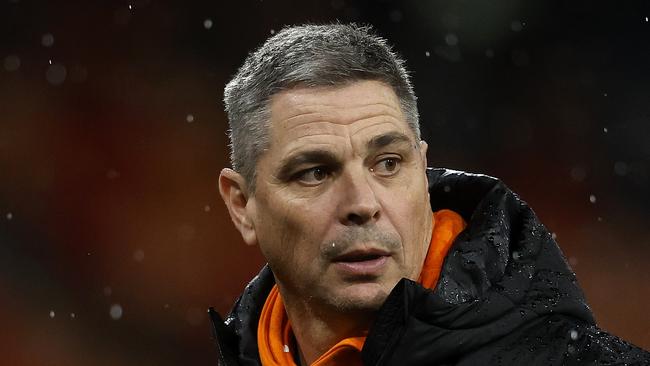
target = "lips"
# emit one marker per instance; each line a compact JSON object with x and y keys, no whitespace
{"x":364,"y":262}
{"x":361,"y":255}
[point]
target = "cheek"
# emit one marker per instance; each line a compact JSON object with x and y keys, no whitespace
{"x":408,"y":210}
{"x":290,"y":233}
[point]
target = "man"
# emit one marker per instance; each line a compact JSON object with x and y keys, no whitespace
{"x":372,"y":257}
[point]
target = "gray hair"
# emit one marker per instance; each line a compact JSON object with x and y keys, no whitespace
{"x":306,"y":56}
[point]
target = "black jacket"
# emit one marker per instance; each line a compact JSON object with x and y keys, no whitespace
{"x":506,"y":296}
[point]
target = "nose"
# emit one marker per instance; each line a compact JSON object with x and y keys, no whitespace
{"x":359,"y":204}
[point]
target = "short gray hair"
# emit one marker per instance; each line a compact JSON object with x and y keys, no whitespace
{"x":306,"y":56}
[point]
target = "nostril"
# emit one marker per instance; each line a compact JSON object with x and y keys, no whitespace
{"x":361,"y":219}
{"x":355,"y":219}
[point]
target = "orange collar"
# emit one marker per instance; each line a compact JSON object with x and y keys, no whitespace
{"x":274,"y":335}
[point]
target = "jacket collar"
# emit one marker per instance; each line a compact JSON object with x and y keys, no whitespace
{"x":503,"y":272}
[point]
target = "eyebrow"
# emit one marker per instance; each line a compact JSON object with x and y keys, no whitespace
{"x":318,"y":156}
{"x":386,"y":139}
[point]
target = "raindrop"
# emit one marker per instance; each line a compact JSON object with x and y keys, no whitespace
{"x":49,"y":62}
{"x":605,"y":129}
{"x":516,"y":26}
{"x":138,"y":255}
{"x":427,"y":53}
{"x":52,"y":314}
{"x":272,"y":31}
{"x":206,"y":208}
{"x":646,"y":19}
{"x":9,"y":216}
{"x":189,"y":118}
{"x":207,"y":24}
{"x":116,"y":311}
{"x":72,"y":315}
{"x":604,"y":94}
{"x":285,"y":349}
{"x":130,"y":7}
{"x":599,"y":219}
{"x":451,"y":39}
{"x":553,"y":236}
{"x":592,"y":198}
{"x":47,"y":40}
{"x":12,"y":63}
{"x":489,"y":53}
{"x":333,"y":245}
{"x":573,"y":334}
{"x":56,"y":74}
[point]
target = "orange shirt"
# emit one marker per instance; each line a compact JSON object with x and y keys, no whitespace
{"x":274,"y":330}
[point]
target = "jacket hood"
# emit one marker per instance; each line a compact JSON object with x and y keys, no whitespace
{"x":503,"y":272}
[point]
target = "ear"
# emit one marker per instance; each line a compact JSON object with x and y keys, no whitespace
{"x":423,"y":152}
{"x":423,"y":155}
{"x":232,"y":187}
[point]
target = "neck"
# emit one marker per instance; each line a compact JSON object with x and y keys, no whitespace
{"x":317,"y":330}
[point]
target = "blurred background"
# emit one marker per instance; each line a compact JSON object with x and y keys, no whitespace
{"x":113,"y":238}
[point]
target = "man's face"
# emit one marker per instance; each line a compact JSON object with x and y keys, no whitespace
{"x":341,"y":209}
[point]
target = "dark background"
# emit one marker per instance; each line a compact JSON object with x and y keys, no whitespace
{"x":113,"y":238}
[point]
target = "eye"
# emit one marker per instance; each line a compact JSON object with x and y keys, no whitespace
{"x":312,"y":176}
{"x":387,"y":167}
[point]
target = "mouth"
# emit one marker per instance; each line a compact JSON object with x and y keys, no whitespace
{"x":366,"y":263}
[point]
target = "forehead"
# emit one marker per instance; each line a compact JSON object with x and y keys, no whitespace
{"x":353,"y":110}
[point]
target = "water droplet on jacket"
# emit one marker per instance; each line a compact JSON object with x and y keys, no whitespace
{"x":570,"y":348}
{"x":573,"y":334}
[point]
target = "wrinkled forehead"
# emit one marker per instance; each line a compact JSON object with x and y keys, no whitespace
{"x":354,"y":109}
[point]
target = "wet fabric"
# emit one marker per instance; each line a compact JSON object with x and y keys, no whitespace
{"x":274,"y":335}
{"x":505,"y":296}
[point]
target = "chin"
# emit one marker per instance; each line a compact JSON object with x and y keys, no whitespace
{"x":360,"y":297}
